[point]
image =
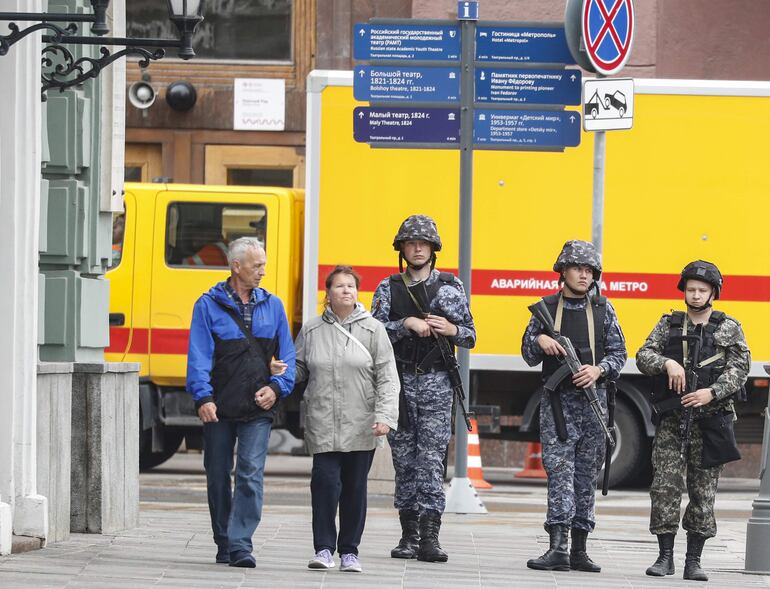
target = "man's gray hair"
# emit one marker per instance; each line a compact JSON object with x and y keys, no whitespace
{"x":240,"y":246}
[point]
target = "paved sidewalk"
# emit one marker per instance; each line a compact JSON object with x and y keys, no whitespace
{"x":172,"y":548}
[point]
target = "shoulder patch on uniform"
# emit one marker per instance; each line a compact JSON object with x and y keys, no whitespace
{"x":447,"y":277}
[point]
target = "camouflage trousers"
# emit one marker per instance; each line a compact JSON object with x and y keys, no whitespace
{"x":572,"y":466}
{"x":419,"y":450}
{"x":669,"y":470}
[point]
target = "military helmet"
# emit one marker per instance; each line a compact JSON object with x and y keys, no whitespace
{"x":418,"y":227}
{"x":579,"y":253}
{"x":703,"y":271}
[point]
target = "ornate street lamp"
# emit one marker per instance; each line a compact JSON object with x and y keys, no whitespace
{"x":63,"y":70}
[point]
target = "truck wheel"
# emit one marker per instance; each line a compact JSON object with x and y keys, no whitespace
{"x":631,"y":455}
{"x":147,"y":458}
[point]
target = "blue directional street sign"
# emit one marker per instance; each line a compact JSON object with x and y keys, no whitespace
{"x":373,"y":83}
{"x":523,"y":86}
{"x":407,"y":125}
{"x":521,"y":128}
{"x":536,"y":44}
{"x":397,"y":42}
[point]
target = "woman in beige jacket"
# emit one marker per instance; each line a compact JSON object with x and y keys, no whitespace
{"x":351,"y":401}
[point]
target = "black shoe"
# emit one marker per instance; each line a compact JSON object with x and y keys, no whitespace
{"x":243,"y":559}
{"x":556,"y":557}
{"x":692,"y":568}
{"x":430,"y":550}
{"x":223,"y":555}
{"x":578,"y":557}
{"x":664,"y":565}
{"x":410,"y":535}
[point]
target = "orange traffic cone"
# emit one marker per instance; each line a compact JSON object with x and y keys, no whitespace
{"x":475,"y":473}
{"x":533,"y":463}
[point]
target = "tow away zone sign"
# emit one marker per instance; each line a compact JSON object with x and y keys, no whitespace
{"x":608,"y":104}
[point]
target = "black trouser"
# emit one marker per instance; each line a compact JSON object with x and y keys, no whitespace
{"x":339,"y":478}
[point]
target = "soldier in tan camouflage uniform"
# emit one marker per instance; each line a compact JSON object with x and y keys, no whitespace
{"x":722,"y":368}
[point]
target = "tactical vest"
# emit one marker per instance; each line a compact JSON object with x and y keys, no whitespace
{"x":574,"y":325}
{"x":414,"y":350}
{"x":709,"y":365}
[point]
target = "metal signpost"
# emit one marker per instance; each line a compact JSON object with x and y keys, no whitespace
{"x":600,"y":35}
{"x":758,"y":528}
{"x":608,"y":104}
{"x":502,"y":71}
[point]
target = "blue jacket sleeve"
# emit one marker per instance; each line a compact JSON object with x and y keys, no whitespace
{"x":200,"y":355}
{"x":283,"y":384}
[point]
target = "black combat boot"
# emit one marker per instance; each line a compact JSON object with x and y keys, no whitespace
{"x":556,"y":557}
{"x":665,"y":563}
{"x":410,"y":535}
{"x":430,"y":550}
{"x":578,"y":557}
{"x":692,"y":569}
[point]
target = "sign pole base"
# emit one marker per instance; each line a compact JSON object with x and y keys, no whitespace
{"x":461,"y":497}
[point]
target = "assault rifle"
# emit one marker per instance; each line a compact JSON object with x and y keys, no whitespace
{"x":449,"y":358}
{"x":691,"y":385}
{"x":571,"y":365}
{"x":453,"y":368}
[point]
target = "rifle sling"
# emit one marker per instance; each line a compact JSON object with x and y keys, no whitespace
{"x":589,"y":319}
{"x":431,"y":356}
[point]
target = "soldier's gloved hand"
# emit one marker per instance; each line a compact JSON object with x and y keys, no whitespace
{"x":550,"y":346}
{"x":586,"y":376}
{"x":418,"y":326}
{"x":698,"y":398}
{"x":441,"y":325}
{"x":676,"y":376}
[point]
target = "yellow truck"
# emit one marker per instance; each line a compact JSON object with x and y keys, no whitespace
{"x":689,"y":181}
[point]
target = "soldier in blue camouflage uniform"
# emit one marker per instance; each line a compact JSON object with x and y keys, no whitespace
{"x":722,"y":370}
{"x":573,"y":464}
{"x":416,"y":306}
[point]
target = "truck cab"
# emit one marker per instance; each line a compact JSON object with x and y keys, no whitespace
{"x":172,"y":248}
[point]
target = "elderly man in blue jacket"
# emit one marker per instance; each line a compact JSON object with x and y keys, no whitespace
{"x":237,"y":330}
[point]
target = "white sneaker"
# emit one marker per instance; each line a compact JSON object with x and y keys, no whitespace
{"x":350,"y":563}
{"x":322,"y":560}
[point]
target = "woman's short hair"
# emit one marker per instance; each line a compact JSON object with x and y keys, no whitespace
{"x":348,"y":270}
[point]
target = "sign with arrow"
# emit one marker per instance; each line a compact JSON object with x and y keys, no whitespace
{"x":528,"y":86}
{"x":526,"y":128}
{"x":408,"y":84}
{"x":523,"y":43}
{"x":397,"y":42}
{"x":398,"y":125}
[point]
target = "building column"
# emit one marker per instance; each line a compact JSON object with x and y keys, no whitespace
{"x":20,"y":128}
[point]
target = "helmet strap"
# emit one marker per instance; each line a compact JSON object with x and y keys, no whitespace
{"x":402,"y":259}
{"x":702,"y":307}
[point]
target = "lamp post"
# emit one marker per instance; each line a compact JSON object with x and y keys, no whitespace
{"x":758,"y":528}
{"x":64,"y":71}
